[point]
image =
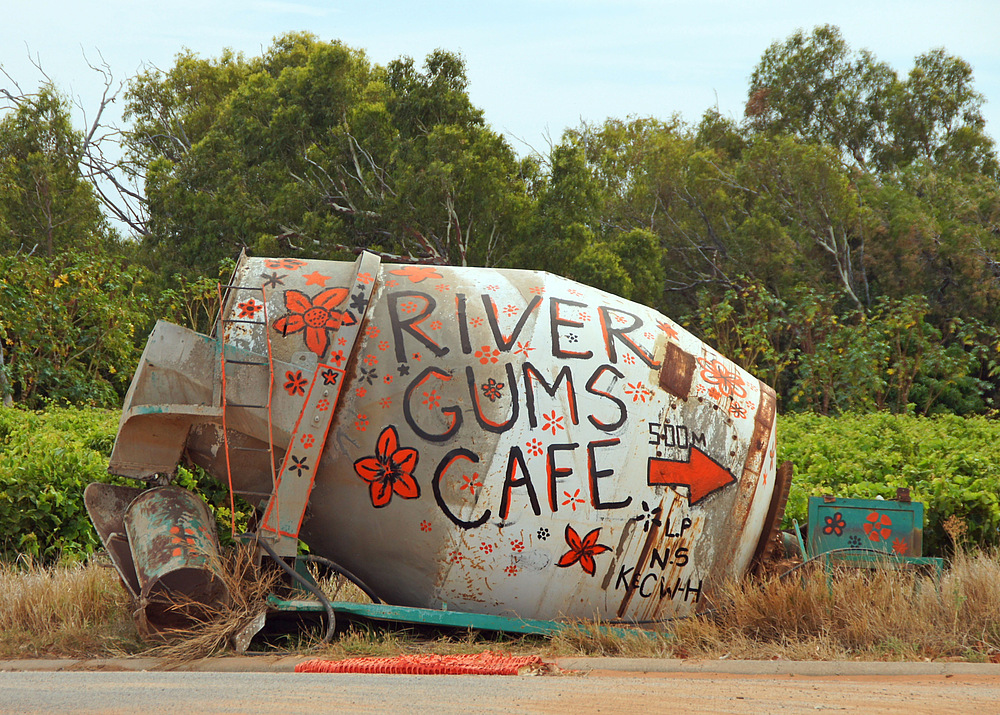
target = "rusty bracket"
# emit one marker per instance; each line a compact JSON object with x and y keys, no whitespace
{"x":286,"y":508}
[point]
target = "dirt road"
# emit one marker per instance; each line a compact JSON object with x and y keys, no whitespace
{"x":598,"y":692}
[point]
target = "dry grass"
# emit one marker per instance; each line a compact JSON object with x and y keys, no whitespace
{"x":880,"y":614}
{"x":65,"y":611}
{"x":249,"y":585}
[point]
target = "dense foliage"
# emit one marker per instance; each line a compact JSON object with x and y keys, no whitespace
{"x":841,"y":241}
{"x":950,"y":463}
{"x":47,"y":459}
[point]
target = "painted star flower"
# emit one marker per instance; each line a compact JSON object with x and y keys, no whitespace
{"x":834,"y":524}
{"x":390,"y":470}
{"x":877,"y":526}
{"x":582,"y":550}
{"x":314,"y":315}
{"x":289,"y":264}
{"x":417,"y":274}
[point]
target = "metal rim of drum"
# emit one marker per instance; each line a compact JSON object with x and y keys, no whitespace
{"x":775,"y":513}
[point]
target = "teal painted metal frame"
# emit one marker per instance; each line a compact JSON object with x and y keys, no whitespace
{"x":431,"y":617}
{"x":868,"y":555}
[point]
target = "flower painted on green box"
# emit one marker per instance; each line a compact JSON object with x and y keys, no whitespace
{"x":877,"y":526}
{"x":834,"y":524}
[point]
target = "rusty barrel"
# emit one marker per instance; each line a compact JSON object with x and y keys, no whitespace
{"x":172,"y":536}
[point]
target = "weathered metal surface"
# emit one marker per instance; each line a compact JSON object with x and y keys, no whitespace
{"x":295,"y":477}
{"x":770,"y":533}
{"x":106,"y":505}
{"x":175,"y":550}
{"x":505,"y":442}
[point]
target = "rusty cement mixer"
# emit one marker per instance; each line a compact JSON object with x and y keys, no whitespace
{"x":497,"y":442}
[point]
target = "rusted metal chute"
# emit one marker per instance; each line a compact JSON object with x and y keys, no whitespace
{"x":495,"y":441}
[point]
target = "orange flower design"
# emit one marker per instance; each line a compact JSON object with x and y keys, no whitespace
{"x":582,"y":550}
{"x":390,"y":470}
{"x":724,"y":378}
{"x":877,"y":526}
{"x":668,"y":329}
{"x":316,"y":316}
{"x":417,"y":274}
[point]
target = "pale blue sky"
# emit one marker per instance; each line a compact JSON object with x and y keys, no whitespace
{"x":534,"y":67}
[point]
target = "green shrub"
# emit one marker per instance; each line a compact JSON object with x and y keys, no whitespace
{"x":47,"y":459}
{"x":950,"y":463}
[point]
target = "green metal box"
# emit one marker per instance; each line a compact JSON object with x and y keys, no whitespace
{"x":895,"y":528}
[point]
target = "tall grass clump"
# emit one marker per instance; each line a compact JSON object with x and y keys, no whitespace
{"x":68,"y":610}
{"x":881,"y":613}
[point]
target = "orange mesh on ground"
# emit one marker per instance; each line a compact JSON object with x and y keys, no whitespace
{"x":485,"y":663}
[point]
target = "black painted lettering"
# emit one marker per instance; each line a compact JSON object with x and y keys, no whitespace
{"x":698,"y":440}
{"x":453,"y":414}
{"x":477,"y":409}
{"x":445,"y":464}
{"x":611,"y":334}
{"x":623,"y":579}
{"x":596,"y":474}
{"x":593,"y":390}
{"x":515,"y":460}
{"x":657,"y":561}
{"x":666,"y":591}
{"x":681,"y":556}
{"x":642,"y":585}
{"x":556,"y":473}
{"x":555,"y":322}
{"x":503,"y":342}
{"x":412,"y":325}
{"x":463,"y":323}
{"x":531,"y":375}
{"x":688,"y":591}
{"x":685,"y":525}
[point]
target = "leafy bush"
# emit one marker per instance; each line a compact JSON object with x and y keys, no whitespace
{"x":822,"y":357}
{"x":950,"y":463}
{"x":47,"y":459}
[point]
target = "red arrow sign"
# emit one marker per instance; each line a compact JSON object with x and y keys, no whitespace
{"x":699,"y":474}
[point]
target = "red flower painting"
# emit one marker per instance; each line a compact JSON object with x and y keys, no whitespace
{"x":417,"y":274}
{"x":390,"y":470}
{"x":582,"y":550}
{"x":878,"y":527}
{"x":725,"y":378}
{"x":316,"y":316}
